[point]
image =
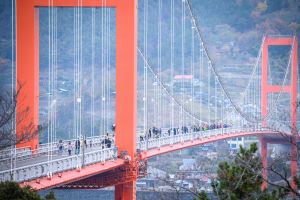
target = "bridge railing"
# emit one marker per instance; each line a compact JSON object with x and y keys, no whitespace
{"x":44,"y":149}
{"x":101,"y":155}
{"x":51,"y":167}
{"x":65,"y":143}
{"x":184,"y":137}
{"x":6,"y":153}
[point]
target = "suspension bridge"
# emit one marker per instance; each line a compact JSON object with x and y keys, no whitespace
{"x":118,"y":158}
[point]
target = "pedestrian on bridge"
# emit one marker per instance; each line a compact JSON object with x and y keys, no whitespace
{"x":113,"y":127}
{"x":85,"y":143}
{"x":69,"y":148}
{"x":149,"y":133}
{"x":169,"y":131}
{"x":91,"y":143}
{"x":141,"y":138}
{"x":60,"y":147}
{"x":107,"y":141}
{"x":77,"y":146}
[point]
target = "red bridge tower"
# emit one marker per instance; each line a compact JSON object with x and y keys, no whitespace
{"x":290,"y":89}
{"x":27,"y":40}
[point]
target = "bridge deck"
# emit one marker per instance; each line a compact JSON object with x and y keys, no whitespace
{"x":32,"y":159}
{"x":63,"y":169}
{"x":162,"y":149}
{"x":73,"y":175}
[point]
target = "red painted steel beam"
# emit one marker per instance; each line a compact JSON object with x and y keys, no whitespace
{"x":75,"y":3}
{"x":277,"y":89}
{"x":126,"y":86}
{"x":73,"y":175}
{"x":294,"y":165}
{"x":292,"y":88}
{"x":264,"y":160}
{"x":278,"y":41}
{"x":117,"y":176}
{"x":126,"y":76}
{"x":27,"y":60}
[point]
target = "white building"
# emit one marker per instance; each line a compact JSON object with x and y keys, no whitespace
{"x":245,"y":142}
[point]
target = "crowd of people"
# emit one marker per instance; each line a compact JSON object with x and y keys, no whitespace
{"x":80,"y":143}
{"x":155,"y":132}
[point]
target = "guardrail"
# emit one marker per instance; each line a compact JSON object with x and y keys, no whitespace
{"x":183,"y":137}
{"x":27,"y":153}
{"x":6,"y":153}
{"x":51,"y":167}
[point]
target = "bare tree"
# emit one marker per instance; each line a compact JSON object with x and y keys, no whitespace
{"x":278,"y":167}
{"x":9,"y":121}
{"x":174,"y":189}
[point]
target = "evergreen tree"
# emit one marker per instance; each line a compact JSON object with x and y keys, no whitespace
{"x":202,"y":196}
{"x":242,"y":179}
{"x":12,"y":190}
{"x":50,"y":196}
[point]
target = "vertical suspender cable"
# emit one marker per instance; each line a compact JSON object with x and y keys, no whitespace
{"x":222,"y":109}
{"x":109,"y":47}
{"x":102,"y":70}
{"x":160,"y":119}
{"x":105,"y":68}
{"x":108,"y":69}
{"x":49,"y":81}
{"x":216,"y":95}
{"x":55,"y":75}
{"x":193,"y":74}
{"x":52,"y":80}
{"x":201,"y":77}
{"x":75,"y":71}
{"x":145,"y":97}
{"x":74,"y":75}
{"x":80,"y":73}
{"x":208,"y":92}
{"x":106,"y":64}
{"x":182,"y":60}
{"x":172,"y":63}
{"x":13,"y":92}
{"x":93,"y":76}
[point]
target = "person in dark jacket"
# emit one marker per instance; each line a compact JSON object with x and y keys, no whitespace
{"x":77,"y":146}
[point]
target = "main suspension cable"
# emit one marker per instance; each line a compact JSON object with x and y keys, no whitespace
{"x":146,"y":61}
